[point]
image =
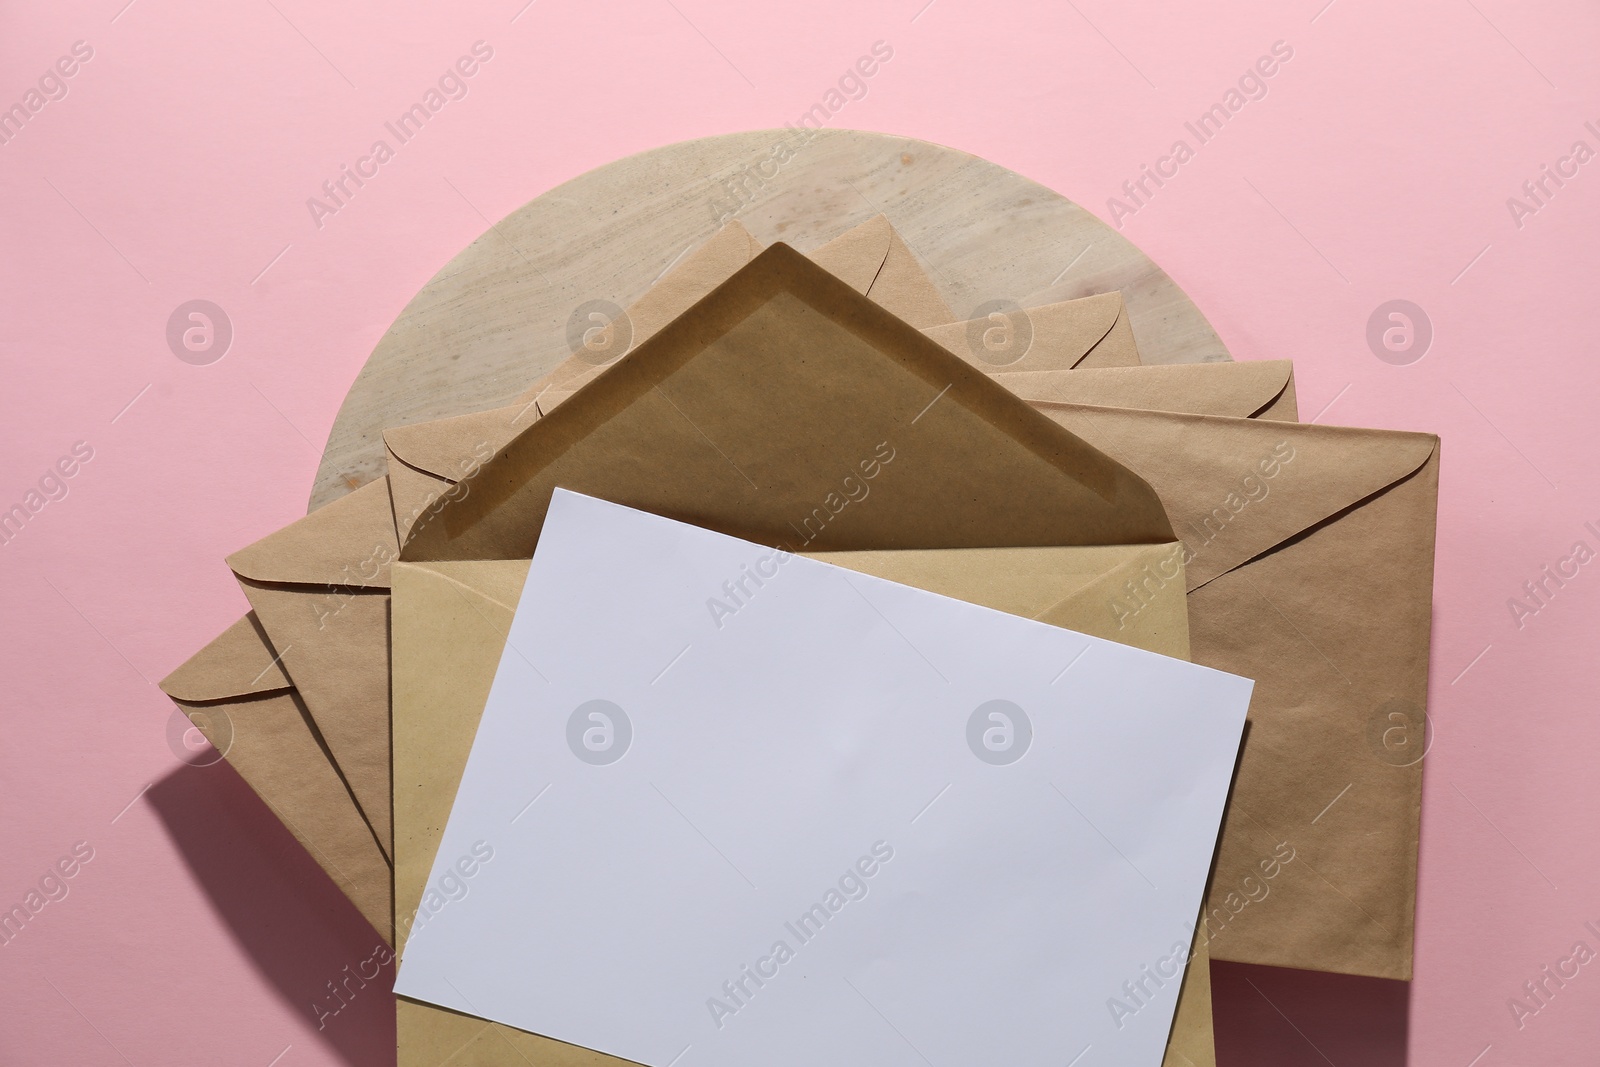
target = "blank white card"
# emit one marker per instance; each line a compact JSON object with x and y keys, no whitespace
{"x":729,"y":806}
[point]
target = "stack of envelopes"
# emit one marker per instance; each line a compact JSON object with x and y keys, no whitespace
{"x":1180,"y":510}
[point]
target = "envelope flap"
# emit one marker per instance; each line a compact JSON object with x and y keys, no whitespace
{"x":770,"y":404}
{"x":1238,"y":390}
{"x":1068,"y":329}
{"x":348,"y":542}
{"x":1237,"y":488}
{"x":1076,"y":325}
{"x":441,"y":447}
{"x":239,"y":662}
{"x":1118,"y":348}
{"x":856,"y":256}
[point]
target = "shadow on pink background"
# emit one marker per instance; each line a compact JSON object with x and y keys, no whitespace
{"x":177,"y":166}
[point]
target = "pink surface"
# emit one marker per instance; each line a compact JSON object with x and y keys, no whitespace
{"x":177,"y":166}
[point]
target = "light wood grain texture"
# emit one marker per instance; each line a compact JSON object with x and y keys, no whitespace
{"x":496,"y":317}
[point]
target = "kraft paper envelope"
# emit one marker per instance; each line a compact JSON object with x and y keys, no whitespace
{"x":320,"y":590}
{"x":236,"y":693}
{"x":1310,"y":570}
{"x":450,"y":624}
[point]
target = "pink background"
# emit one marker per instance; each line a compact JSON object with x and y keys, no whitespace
{"x":178,"y":165}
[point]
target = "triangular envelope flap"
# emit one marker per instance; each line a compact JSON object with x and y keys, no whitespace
{"x":442,"y":447}
{"x":770,"y":406}
{"x":1076,"y":325}
{"x":1236,"y":488}
{"x":1118,"y":348}
{"x":1068,"y":329}
{"x":1233,"y":389}
{"x":239,"y":662}
{"x":856,"y":256}
{"x":348,"y":542}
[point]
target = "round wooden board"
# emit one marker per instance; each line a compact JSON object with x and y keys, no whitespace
{"x":494,"y":319}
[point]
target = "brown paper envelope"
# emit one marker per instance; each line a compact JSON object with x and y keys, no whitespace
{"x":1320,"y":590}
{"x":450,"y":626}
{"x":320,"y":590}
{"x":1089,"y":332}
{"x":235,"y":692}
{"x":763,"y":410}
{"x":1262,"y":390}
